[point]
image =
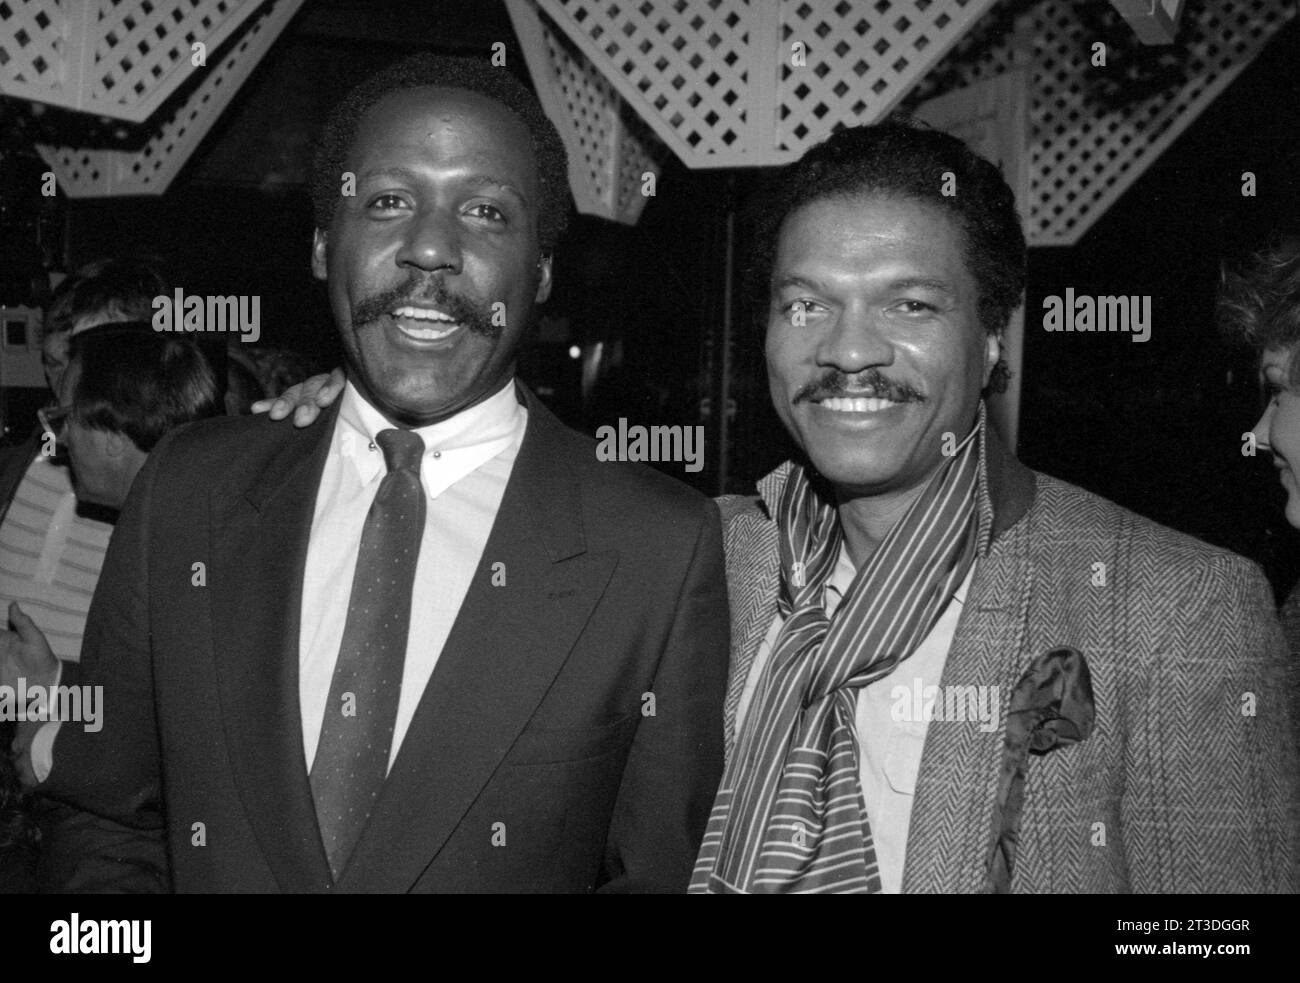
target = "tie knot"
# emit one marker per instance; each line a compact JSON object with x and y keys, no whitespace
{"x":402,"y":449}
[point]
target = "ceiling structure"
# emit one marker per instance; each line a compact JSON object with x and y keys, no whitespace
{"x":717,"y":83}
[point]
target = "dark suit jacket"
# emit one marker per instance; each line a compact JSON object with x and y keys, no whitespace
{"x":537,"y":724}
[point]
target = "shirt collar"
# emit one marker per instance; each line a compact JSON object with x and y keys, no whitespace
{"x":453,"y":448}
{"x":841,"y":578}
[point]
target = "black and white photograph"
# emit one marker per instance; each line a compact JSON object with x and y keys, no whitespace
{"x":650,"y":446}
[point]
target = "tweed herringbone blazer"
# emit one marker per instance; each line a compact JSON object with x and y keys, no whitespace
{"x":1188,"y":780}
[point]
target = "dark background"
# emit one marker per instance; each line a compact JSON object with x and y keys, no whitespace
{"x":1156,"y":427}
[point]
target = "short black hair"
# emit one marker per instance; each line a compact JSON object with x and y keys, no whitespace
{"x":139,"y":382}
{"x":904,"y":159}
{"x":473,"y":75}
{"x":1259,"y":302}
{"x":122,"y":289}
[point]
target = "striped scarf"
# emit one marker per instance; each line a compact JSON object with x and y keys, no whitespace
{"x":790,"y":815}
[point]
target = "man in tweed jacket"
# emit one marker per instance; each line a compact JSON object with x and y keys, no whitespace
{"x":1194,"y":794}
{"x":1181,"y":774}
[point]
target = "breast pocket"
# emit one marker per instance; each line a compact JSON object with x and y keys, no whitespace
{"x":545,"y":745}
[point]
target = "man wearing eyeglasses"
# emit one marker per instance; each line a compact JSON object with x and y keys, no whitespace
{"x":52,"y":547}
{"x":124,"y":387}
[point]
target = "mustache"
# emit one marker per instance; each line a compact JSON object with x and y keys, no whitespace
{"x":869,"y":384}
{"x":418,"y":293}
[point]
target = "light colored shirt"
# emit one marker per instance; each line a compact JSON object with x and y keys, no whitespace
{"x":50,"y":556}
{"x":889,"y":749}
{"x":467,"y":462}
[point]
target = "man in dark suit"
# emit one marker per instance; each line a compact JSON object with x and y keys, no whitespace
{"x":343,"y":658}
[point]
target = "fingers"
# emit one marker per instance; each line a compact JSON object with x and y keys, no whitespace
{"x":332,"y":388}
{"x":26,"y":649}
{"x":24,"y":626}
{"x":282,"y":405}
{"x":304,"y":414}
{"x":278,"y":408}
{"x":317,"y":392}
{"x":304,"y":400}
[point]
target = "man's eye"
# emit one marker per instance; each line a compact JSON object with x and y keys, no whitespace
{"x":489,"y":212}
{"x":800,"y":308}
{"x":915,"y":307}
{"x":387,"y":202}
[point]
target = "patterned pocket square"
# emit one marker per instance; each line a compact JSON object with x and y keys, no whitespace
{"x":1051,"y":707}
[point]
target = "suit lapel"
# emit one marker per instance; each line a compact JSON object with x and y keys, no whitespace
{"x":950,"y":831}
{"x":753,"y":579}
{"x":505,"y":648}
{"x":948,"y":837}
{"x":259,"y":552}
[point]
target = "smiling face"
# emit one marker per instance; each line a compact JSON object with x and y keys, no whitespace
{"x":433,"y":265}
{"x":874,"y":347}
{"x":1278,"y":429}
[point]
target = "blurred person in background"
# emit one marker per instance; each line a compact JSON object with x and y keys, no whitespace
{"x":101,"y":292}
{"x":125,"y":387}
{"x":1259,"y":305}
{"x":258,"y":372}
{"x":51,"y":550}
{"x":128,"y":386}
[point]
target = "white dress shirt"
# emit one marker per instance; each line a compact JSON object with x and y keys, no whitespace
{"x":467,"y":462}
{"x":889,"y":750}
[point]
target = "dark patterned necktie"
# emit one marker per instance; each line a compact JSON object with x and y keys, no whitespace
{"x":357,"y":731}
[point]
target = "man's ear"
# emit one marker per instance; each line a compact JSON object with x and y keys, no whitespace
{"x":116,"y":443}
{"x":543,"y":280}
{"x":992,"y":353}
{"x":319,"y":254}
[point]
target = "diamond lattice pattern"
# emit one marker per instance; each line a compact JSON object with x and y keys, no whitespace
{"x":1084,"y":154}
{"x":117,"y":58}
{"x":176,"y":131}
{"x":756,"y":82}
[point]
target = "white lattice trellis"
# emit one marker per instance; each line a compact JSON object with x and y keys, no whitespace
{"x":99,"y":172}
{"x":717,"y":81}
{"x":1084,"y":154}
{"x":117,"y":58}
{"x":607,"y":159}
{"x":1082,"y":160}
{"x":734,"y":83}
